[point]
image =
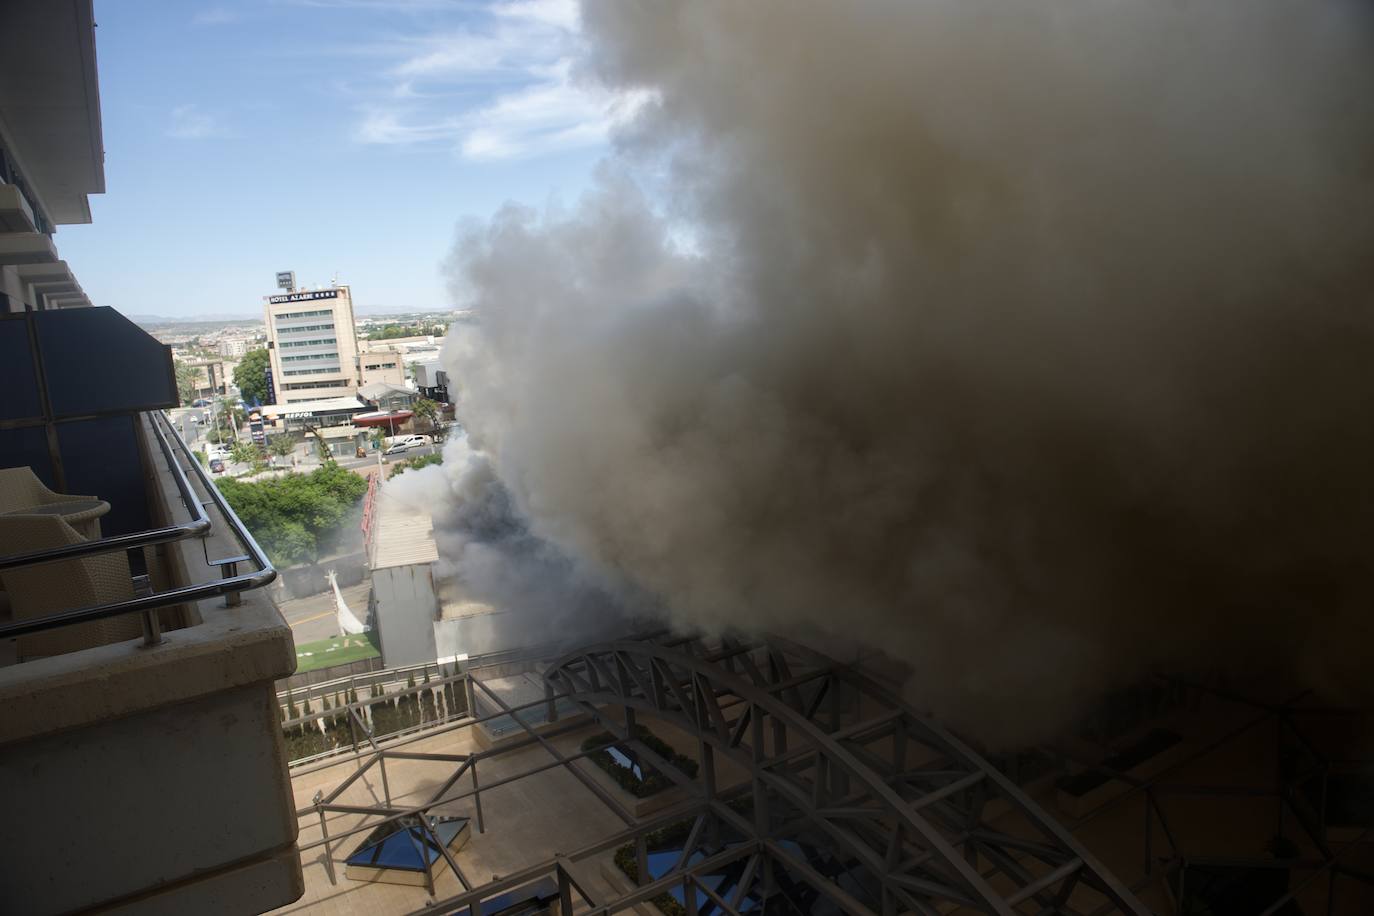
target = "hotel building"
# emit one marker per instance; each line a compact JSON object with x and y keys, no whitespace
{"x":313,"y":345}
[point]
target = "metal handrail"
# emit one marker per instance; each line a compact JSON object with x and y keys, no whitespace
{"x":199,"y":524}
{"x":384,"y":676}
{"x":229,"y":586}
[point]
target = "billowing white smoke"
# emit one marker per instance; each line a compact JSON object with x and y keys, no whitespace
{"x":1030,"y":343}
{"x":530,"y":592}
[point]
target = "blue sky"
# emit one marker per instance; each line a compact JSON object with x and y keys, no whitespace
{"x":322,"y":136}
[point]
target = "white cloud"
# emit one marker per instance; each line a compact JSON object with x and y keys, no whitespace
{"x":390,"y":6}
{"x":383,"y":127}
{"x":544,"y":117}
{"x":498,"y":87}
{"x":188,"y":122}
{"x":559,"y":13}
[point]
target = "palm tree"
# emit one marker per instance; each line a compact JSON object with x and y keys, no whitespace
{"x":322,"y":447}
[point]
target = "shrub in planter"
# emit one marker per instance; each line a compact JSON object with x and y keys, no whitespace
{"x":653,"y":781}
{"x":428,"y":712}
{"x":671,"y":836}
{"x":661,"y":838}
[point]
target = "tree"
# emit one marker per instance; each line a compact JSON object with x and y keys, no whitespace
{"x":281,"y":445}
{"x":426,"y":410}
{"x":416,"y":462}
{"x":321,"y":447}
{"x":395,"y":330}
{"x":298,"y":516}
{"x":232,"y":415}
{"x":187,"y":377}
{"x":227,"y":421}
{"x":245,"y":452}
{"x":251,"y":376}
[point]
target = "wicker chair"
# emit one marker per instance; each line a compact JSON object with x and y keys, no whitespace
{"x":63,"y":585}
{"x":20,"y":488}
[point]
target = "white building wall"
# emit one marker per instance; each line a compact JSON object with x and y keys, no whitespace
{"x":404,"y":611}
{"x":234,"y":347}
{"x":476,"y":634}
{"x":387,"y":366}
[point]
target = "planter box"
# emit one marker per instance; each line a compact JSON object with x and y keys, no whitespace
{"x":487,"y":741}
{"x":639,"y":807}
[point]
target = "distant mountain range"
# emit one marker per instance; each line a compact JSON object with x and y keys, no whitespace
{"x":221,"y":318}
{"x":212,"y":318}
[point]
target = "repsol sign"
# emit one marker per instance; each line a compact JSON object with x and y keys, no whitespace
{"x":304,"y":297}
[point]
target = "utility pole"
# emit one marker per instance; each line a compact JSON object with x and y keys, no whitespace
{"x":214,"y":413}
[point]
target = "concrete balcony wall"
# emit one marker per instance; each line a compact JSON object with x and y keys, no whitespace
{"x":153,"y":779}
{"x":154,"y":802}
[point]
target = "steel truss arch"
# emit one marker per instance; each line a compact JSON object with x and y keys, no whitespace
{"x":913,"y":811}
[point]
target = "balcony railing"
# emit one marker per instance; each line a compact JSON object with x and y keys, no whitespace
{"x":188,"y":712}
{"x":230,"y":585}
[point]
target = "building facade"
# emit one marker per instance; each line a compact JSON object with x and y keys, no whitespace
{"x":51,"y":156}
{"x":139,"y":650}
{"x":213,"y":376}
{"x":384,"y":366}
{"x":235,"y":347}
{"x":312,"y":344}
{"x":431,"y":380}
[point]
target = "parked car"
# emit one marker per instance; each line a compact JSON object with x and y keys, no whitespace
{"x":406,"y":443}
{"x":200,"y":402}
{"x":216,"y":465}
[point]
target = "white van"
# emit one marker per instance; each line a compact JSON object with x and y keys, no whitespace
{"x":404,"y":443}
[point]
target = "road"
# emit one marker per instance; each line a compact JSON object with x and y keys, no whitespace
{"x":191,"y":423}
{"x":314,"y":618}
{"x":390,"y":459}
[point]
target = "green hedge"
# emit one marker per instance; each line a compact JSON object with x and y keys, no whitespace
{"x":653,"y":781}
{"x":664,"y":836}
{"x":419,"y":461}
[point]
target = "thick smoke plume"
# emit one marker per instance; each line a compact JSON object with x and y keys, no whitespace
{"x":1031,"y":344}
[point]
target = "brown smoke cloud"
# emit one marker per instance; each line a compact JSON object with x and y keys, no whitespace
{"x":1030,"y":344}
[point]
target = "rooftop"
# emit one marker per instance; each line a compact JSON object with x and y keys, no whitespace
{"x":812,"y":775}
{"x":381,"y":389}
{"x":324,"y":405}
{"x":403,"y":535}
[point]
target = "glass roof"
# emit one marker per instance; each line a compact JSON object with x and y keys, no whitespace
{"x":404,"y":845}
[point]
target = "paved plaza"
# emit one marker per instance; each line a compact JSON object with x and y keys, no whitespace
{"x":527,"y":821}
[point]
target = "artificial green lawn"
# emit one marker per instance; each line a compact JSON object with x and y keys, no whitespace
{"x":341,"y":650}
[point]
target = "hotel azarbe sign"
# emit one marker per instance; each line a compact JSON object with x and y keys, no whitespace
{"x":304,"y":297}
